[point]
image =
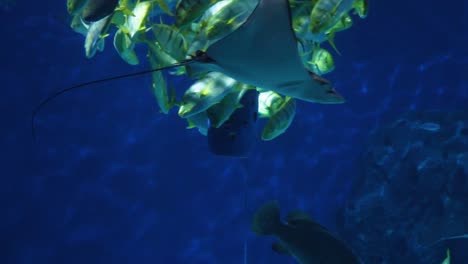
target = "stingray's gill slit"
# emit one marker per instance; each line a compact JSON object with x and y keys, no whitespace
{"x":199,"y":56}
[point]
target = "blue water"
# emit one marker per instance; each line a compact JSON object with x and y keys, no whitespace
{"x":112,"y":180}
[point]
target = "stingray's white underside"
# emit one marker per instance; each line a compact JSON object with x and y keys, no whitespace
{"x":263,"y":53}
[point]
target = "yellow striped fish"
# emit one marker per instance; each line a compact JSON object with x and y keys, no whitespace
{"x":326,"y":13}
{"x":361,"y":7}
{"x":220,"y":112}
{"x":170,"y":40}
{"x":204,"y":93}
{"x":281,"y":120}
{"x":269,"y":103}
{"x":188,"y":11}
{"x":74,"y":7}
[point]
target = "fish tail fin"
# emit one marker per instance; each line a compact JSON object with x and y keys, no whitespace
{"x":267,"y":219}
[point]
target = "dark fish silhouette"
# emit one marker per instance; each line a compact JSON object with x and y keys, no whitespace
{"x":237,"y":135}
{"x":302,"y":238}
{"x":98,"y":9}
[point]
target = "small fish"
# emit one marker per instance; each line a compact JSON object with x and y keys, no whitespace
{"x":220,"y":112}
{"x":269,"y":103}
{"x":326,"y":13}
{"x":136,"y":21}
{"x":447,"y":259}
{"x":199,"y":121}
{"x":301,"y":28}
{"x":226,"y":19}
{"x":301,"y":19}
{"x":96,"y":10}
{"x":300,"y":6}
{"x":159,"y":87}
{"x":302,"y":238}
{"x":164,"y":6}
{"x":95,"y":37}
{"x":74,"y":7}
{"x":344,"y":23}
{"x":124,"y":46}
{"x":280,"y":120}
{"x":188,"y":11}
{"x":361,"y":7}
{"x":322,"y":61}
{"x":428,"y":126}
{"x":78,"y":26}
{"x":204,"y":93}
{"x":192,"y":34}
{"x":159,"y":55}
{"x":128,"y":34}
{"x":170,"y":40}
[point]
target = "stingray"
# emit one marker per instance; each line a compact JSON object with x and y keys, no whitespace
{"x":262,"y":52}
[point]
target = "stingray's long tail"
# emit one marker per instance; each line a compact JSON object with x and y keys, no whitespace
{"x":66,"y":90}
{"x":200,"y":56}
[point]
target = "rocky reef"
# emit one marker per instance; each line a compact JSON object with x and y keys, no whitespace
{"x":412,"y":191}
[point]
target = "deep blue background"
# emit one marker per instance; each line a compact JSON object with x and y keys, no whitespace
{"x":112,"y":180}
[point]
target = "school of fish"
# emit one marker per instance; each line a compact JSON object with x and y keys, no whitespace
{"x":196,"y":24}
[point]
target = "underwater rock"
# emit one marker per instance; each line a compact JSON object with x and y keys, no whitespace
{"x":413,"y":188}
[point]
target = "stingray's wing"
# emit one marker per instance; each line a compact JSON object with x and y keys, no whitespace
{"x":263,"y":52}
{"x":221,"y":46}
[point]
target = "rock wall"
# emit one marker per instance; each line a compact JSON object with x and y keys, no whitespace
{"x":413,"y":188}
